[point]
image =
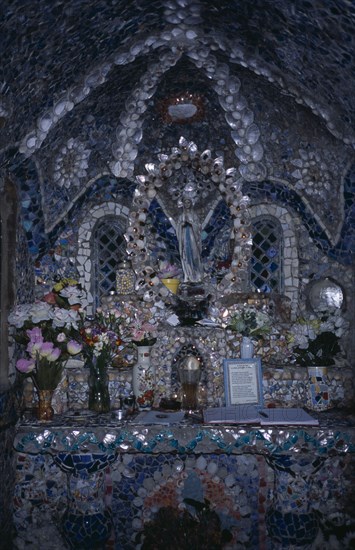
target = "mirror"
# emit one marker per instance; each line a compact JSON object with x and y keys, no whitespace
{"x":325,"y":294}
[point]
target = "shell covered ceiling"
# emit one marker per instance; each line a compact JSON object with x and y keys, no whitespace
{"x":91,"y":91}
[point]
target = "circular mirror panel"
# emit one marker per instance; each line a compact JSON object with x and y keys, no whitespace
{"x":325,"y":294}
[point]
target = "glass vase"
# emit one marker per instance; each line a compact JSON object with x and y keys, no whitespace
{"x":44,"y":409}
{"x":143,"y":379}
{"x":99,"y":396}
{"x":189,"y":371}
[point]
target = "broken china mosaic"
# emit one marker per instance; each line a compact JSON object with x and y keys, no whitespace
{"x":283,"y":493}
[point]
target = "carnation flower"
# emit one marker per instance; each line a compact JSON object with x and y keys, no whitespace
{"x":68,"y":318}
{"x":40,"y":311}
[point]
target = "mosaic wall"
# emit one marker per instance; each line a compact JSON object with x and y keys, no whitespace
{"x":241,"y":489}
{"x":7,"y":486}
{"x":8,"y":418}
{"x":80,"y":154}
{"x":93,"y":138}
{"x":84,"y":105}
{"x":283,"y":385}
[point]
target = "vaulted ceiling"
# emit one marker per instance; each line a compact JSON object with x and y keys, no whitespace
{"x":50,"y":48}
{"x":89,"y":87}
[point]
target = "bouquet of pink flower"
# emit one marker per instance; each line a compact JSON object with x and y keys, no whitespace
{"x":138,"y":323}
{"x":144,"y":334}
{"x":168,"y":270}
{"x":44,"y":362}
{"x":49,"y":336}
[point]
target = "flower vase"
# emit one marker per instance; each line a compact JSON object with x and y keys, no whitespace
{"x":318,"y":398}
{"x":246,"y":348}
{"x":44,"y":409}
{"x":99,"y":396}
{"x":143,"y":379}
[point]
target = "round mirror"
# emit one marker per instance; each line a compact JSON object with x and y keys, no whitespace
{"x":325,"y":294}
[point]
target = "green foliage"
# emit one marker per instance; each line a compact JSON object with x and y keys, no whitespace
{"x":250,"y":322}
{"x":320,"y":352}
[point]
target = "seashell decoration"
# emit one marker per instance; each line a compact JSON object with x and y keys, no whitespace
{"x":131,"y":118}
{"x":181,"y":34}
{"x":312,"y":174}
{"x":71,"y":164}
{"x":228,"y":181}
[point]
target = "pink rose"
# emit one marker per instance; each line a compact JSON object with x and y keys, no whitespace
{"x":34,"y":348}
{"x":35,"y":335}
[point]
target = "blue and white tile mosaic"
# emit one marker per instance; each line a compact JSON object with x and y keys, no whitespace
{"x":281,"y":495}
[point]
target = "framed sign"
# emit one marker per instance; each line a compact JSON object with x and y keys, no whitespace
{"x":243,"y":382}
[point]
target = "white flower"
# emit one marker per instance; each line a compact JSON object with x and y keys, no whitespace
{"x":20,"y":315}
{"x":98,"y":348}
{"x":35,"y":312}
{"x":104,"y":339}
{"x":303,"y":332}
{"x":68,"y":318}
{"x":40,"y":311}
{"x":74,"y":295}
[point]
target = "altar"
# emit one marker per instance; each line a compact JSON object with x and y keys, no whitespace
{"x":89,"y":476}
{"x":270,"y":486}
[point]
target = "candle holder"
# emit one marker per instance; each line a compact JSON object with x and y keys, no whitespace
{"x":189,"y":372}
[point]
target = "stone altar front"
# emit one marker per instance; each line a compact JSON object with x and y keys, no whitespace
{"x":270,"y":486}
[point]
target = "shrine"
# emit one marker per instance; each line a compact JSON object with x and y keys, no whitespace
{"x":177,"y":276}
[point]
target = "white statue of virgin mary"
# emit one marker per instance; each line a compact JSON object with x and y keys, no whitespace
{"x":188,"y":232}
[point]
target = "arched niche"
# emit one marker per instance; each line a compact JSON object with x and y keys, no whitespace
{"x":84,"y":259}
{"x":290,"y":259}
{"x":166,"y":182}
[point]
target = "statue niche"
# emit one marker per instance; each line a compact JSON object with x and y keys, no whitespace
{"x":174,"y":213}
{"x":189,"y":235}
